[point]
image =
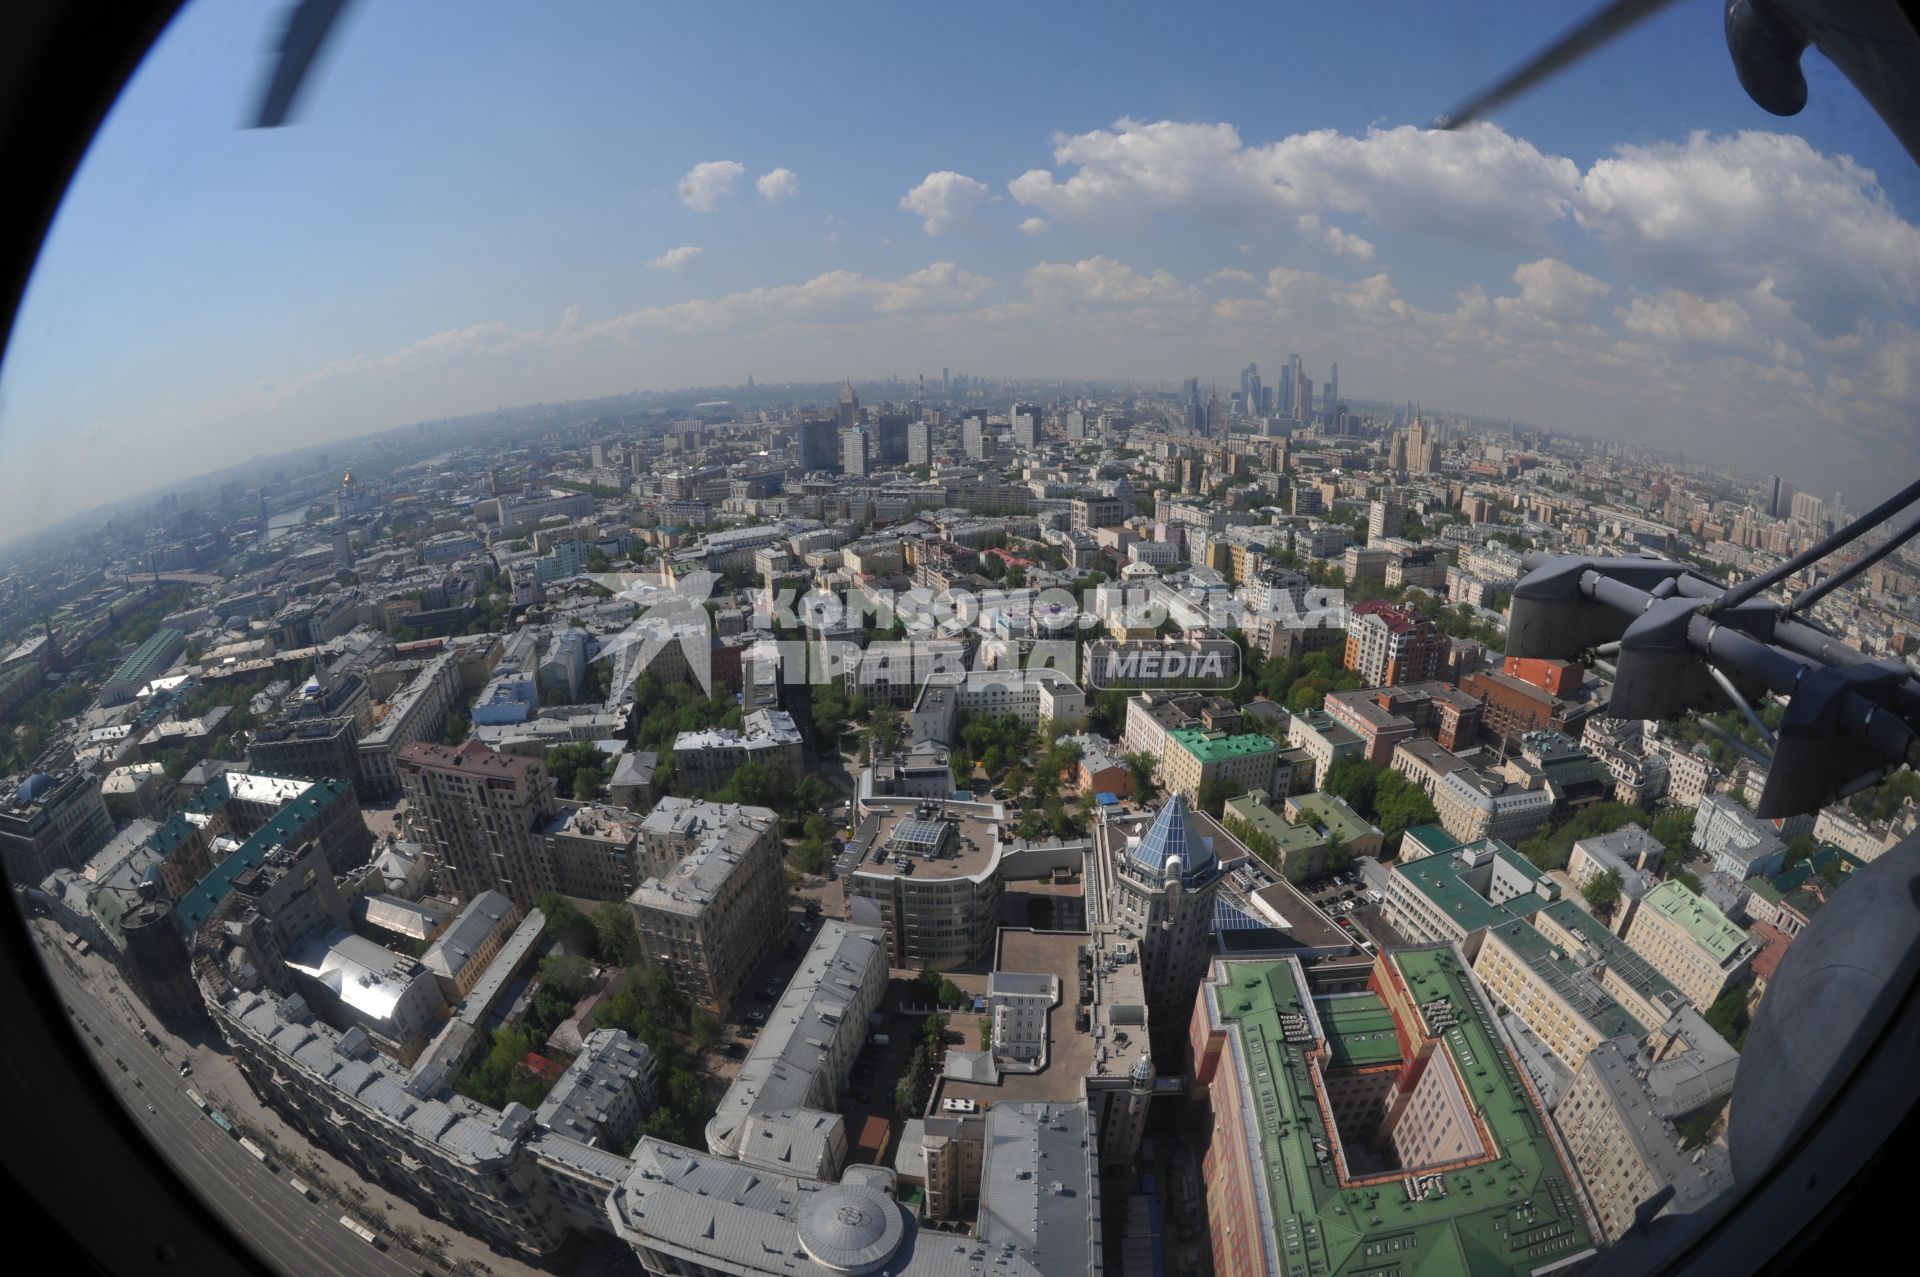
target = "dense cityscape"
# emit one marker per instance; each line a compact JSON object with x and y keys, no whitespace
{"x":704,"y":833}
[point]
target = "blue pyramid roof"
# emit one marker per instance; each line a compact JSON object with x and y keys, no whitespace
{"x":1170,"y":837}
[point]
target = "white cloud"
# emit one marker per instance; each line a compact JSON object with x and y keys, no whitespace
{"x":1231,"y":275}
{"x":834,"y":297}
{"x":706,"y":184}
{"x":1553,"y":292}
{"x":1479,"y":184}
{"x":1716,"y":214}
{"x":1676,"y":316}
{"x":677,"y":259}
{"x":1336,"y":241}
{"x":1033,"y":226}
{"x":945,"y":201}
{"x":780,"y":184}
{"x":1104,"y":281}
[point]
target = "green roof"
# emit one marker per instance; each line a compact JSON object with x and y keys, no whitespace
{"x":1271,"y":821}
{"x":1212,"y":747}
{"x":1562,"y":972}
{"x":150,"y":657}
{"x":1438,"y":878}
{"x":1516,"y":1214}
{"x":284,"y":828}
{"x":1701,"y":919}
{"x":1325,"y":809}
{"x":1359,"y":1029}
{"x":1433,"y":839}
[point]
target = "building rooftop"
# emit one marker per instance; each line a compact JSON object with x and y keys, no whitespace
{"x":900,"y":825}
{"x":1172,"y":837}
{"x":1038,"y":1186}
{"x":1707,"y":926}
{"x":1213,"y":747}
{"x":609,"y":1063}
{"x":461,"y":941}
{"x":1463,"y":883}
{"x":1516,"y":1210}
{"x":367,"y":977}
{"x":781,"y":1074}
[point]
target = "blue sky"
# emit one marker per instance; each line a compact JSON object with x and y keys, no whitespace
{"x":480,"y":205}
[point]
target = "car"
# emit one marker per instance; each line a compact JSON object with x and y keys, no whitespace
{"x":757,"y":1017}
{"x":137,"y":1082}
{"x":805,"y":926}
{"x":149,"y":1108}
{"x":1347,"y":923}
{"x":736,"y":1050}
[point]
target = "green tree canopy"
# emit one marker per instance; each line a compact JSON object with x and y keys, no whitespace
{"x":1603,"y":893}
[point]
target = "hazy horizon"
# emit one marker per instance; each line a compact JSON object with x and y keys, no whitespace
{"x":483,"y":209}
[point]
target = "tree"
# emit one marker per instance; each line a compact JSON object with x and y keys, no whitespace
{"x":1140,"y":766}
{"x":1674,"y":830}
{"x":1799,"y":847}
{"x":1551,"y":847}
{"x":1728,"y":1016}
{"x":1603,"y":893}
{"x":567,"y":923}
{"x":1354,"y":779}
{"x":1212,"y":797}
{"x":613,"y":928}
{"x":568,"y":763}
{"x":1688,"y":879}
{"x":567,"y":975}
{"x":703,"y":1028}
{"x":1338,"y":855}
{"x":950,"y":995}
{"x":926,"y":986}
{"x":1399,"y":805}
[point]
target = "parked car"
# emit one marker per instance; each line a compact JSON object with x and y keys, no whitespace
{"x":757,"y":1017}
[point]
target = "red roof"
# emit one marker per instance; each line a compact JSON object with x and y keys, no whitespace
{"x":1775,"y":948}
{"x":873,"y":1134}
{"x":1392,"y":617}
{"x":548,"y":1069}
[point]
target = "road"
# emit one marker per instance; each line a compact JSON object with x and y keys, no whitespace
{"x":294,"y":1235}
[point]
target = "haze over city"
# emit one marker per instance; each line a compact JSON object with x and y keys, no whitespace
{"x":493,"y":208}
{"x":1048,"y":641}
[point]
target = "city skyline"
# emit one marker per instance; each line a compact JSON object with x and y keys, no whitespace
{"x":1688,"y":271}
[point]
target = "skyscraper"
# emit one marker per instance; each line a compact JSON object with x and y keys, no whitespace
{"x":920,"y":443}
{"x":1333,"y":386}
{"x":854,"y":452}
{"x":849,"y":407}
{"x":1250,"y":388}
{"x":1161,"y":884}
{"x":817,"y":445}
{"x":979,"y":443}
{"x":1026,"y":426}
{"x":478,"y":816}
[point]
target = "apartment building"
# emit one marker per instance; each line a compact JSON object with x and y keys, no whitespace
{"x":1324,"y":739}
{"x":417,"y":712}
{"x":1617,"y":1121}
{"x":715,"y":895}
{"x":1387,"y":645}
{"x":51,"y":820}
{"x":1197,"y":759}
{"x":782,"y":1110}
{"x":1395,"y":1094}
{"x":480,"y":817}
{"x":705,"y":760}
{"x":928,"y":876}
{"x":1691,"y":943}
